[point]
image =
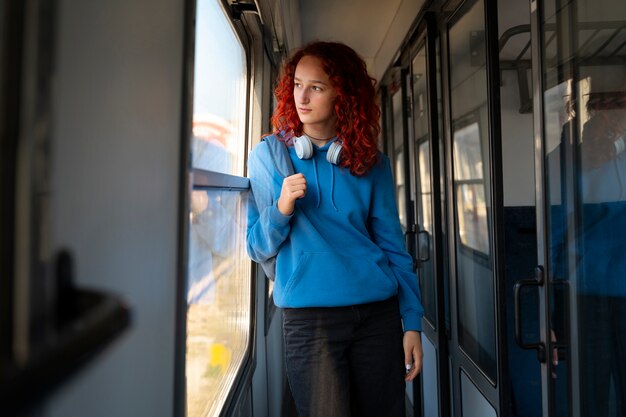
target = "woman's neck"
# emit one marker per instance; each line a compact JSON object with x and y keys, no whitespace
{"x":319,"y":138}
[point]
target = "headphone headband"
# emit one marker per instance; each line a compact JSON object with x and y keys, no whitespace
{"x":304,"y":149}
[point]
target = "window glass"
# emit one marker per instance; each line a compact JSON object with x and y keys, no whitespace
{"x":218,"y":298}
{"x":219,"y":94}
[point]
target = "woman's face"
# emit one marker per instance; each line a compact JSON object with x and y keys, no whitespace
{"x":314,"y":97}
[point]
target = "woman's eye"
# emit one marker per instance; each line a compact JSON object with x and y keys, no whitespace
{"x":316,"y":88}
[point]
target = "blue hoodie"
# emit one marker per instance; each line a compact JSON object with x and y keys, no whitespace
{"x":342,"y":245}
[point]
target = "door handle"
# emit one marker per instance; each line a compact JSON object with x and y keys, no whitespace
{"x":537,"y":281}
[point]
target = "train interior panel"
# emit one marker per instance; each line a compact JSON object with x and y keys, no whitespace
{"x":126,"y":129}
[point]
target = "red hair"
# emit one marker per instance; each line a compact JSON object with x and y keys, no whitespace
{"x":356,"y":109}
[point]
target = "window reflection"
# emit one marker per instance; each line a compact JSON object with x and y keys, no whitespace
{"x":398,"y":147}
{"x":219,"y":93}
{"x":472,"y":216}
{"x":400,"y":191}
{"x":470,"y":188}
{"x":585,"y":128}
{"x":218,"y":298}
{"x":467,"y":156}
{"x":425,"y":192}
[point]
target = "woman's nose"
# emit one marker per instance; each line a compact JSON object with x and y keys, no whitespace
{"x":302,"y":97}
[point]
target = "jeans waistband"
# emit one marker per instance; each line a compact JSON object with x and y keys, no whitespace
{"x":373,"y":304}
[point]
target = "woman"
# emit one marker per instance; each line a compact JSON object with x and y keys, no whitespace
{"x":350,"y":299}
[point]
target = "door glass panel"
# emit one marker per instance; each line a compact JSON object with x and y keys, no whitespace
{"x":423,"y":191}
{"x":584,"y":95}
{"x":474,"y":273}
{"x":519,"y":211}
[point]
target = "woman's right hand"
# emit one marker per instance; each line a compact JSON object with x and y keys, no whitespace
{"x":294,"y":187}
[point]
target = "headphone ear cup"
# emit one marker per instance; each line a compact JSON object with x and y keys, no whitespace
{"x":303,"y":146}
{"x":334,"y":153}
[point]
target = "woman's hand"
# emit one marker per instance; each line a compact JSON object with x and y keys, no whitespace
{"x":412,"y":354}
{"x":294,"y":187}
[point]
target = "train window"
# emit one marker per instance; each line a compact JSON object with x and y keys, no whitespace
{"x":218,"y":287}
{"x":472,"y":199}
{"x":219,"y":94}
{"x":218,"y":297}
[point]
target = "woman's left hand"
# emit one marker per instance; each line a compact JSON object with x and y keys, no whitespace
{"x":412,"y":353}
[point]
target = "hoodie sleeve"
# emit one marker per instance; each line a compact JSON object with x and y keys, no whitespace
{"x":386,"y":231}
{"x":267,"y":227}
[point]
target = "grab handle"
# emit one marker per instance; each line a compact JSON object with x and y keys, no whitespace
{"x":537,"y":281}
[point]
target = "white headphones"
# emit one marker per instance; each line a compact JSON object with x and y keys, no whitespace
{"x":304,"y":149}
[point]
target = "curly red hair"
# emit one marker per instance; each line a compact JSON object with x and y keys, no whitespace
{"x":356,"y":108}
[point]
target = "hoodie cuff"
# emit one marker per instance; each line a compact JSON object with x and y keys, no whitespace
{"x":412,"y":321}
{"x":277,"y":218}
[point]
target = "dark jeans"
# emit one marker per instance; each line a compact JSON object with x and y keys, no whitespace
{"x":346,"y":361}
